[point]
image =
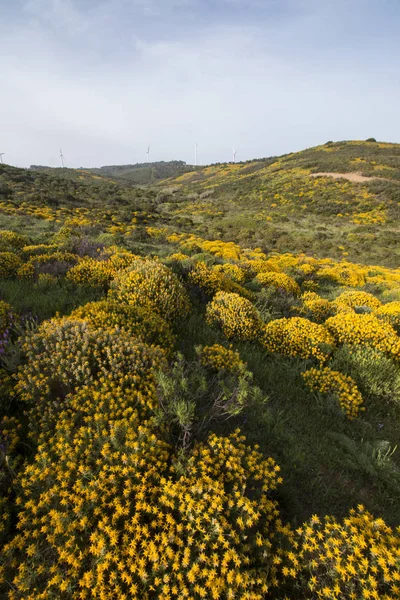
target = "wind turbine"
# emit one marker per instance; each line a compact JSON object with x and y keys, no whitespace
{"x":1,"y":157}
{"x":195,"y":154}
{"x":234,"y":155}
{"x":148,"y":154}
{"x":62,"y":159}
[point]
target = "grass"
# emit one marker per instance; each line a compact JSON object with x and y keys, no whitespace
{"x":45,"y":301}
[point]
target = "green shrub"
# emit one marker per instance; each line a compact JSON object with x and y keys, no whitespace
{"x":375,"y":374}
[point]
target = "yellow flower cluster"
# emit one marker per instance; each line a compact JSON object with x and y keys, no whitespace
{"x":297,"y":337}
{"x":352,"y":299}
{"x":319,"y":308}
{"x":390,"y":312}
{"x":343,"y":274}
{"x":9,"y":240}
{"x":236,"y":316}
{"x":212,"y":280}
{"x":280,"y":281}
{"x":364,"y":330}
{"x":65,"y":354}
{"x":34,"y":250}
{"x":58,"y":262}
{"x":232,"y":271}
{"x":219,"y":358}
{"x":254,"y":267}
{"x":357,"y":558}
{"x":100,"y":272}
{"x":150,"y":283}
{"x":102,"y":514}
{"x":326,"y":380}
{"x":9,"y":264}
{"x":140,"y":323}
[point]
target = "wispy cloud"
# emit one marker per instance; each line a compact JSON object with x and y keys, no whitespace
{"x":103,"y":79}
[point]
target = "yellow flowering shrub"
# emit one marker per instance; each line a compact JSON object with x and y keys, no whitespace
{"x":365,"y":330}
{"x":390,"y":313}
{"x":343,"y":274}
{"x":297,"y":337}
{"x":319,"y":308}
{"x":231,"y":271}
{"x":9,"y":264}
{"x":212,"y":280}
{"x":344,"y":387}
{"x":280,"y":281}
{"x":177,"y":256}
{"x":254,"y":267}
{"x":92,"y":272}
{"x":150,"y":283}
{"x":139,"y":322}
{"x":37,"y":249}
{"x":9,"y":240}
{"x":26,"y":271}
{"x":101,"y":271}
{"x":356,"y":298}
{"x":236,"y":316}
{"x":219,"y":358}
{"x":103,"y":514}
{"x":65,"y":354}
{"x":54,"y":263}
{"x":356,"y":558}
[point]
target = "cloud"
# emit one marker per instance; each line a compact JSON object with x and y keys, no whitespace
{"x":102,"y":80}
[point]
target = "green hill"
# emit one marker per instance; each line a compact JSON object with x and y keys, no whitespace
{"x":283,"y":204}
{"x":137,"y":174}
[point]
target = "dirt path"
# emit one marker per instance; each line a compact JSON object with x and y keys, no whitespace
{"x":356,"y":177}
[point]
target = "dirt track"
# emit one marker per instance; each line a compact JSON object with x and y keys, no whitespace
{"x":356,"y":177}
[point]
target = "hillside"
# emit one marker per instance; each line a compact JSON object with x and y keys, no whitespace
{"x":137,"y":174}
{"x":283,"y":204}
{"x":200,"y":381}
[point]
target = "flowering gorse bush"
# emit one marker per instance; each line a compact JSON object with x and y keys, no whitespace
{"x":390,"y":313}
{"x":280,"y":281}
{"x":213,"y":280}
{"x":364,"y":330}
{"x":236,"y":316}
{"x":356,"y":558}
{"x":297,"y":337}
{"x":357,"y":299}
{"x":344,"y":387}
{"x":152,"y":284}
{"x":219,"y":358}
{"x":318,"y":308}
{"x":138,"y":321}
{"x":9,"y":264}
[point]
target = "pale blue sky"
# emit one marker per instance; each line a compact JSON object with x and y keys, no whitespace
{"x":102,"y":79}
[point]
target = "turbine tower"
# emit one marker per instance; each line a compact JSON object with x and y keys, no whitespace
{"x":62,"y":159}
{"x":148,"y":154}
{"x":1,"y":157}
{"x":195,"y":154}
{"x":234,"y":155}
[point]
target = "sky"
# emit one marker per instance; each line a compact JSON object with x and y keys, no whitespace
{"x":104,"y":79}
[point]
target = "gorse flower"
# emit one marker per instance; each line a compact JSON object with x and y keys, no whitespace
{"x":364,"y":330}
{"x":344,"y":387}
{"x":280,"y":281}
{"x":150,"y":283}
{"x":297,"y":337}
{"x":236,"y":316}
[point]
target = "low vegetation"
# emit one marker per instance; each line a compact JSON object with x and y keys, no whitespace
{"x":200,"y":416}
